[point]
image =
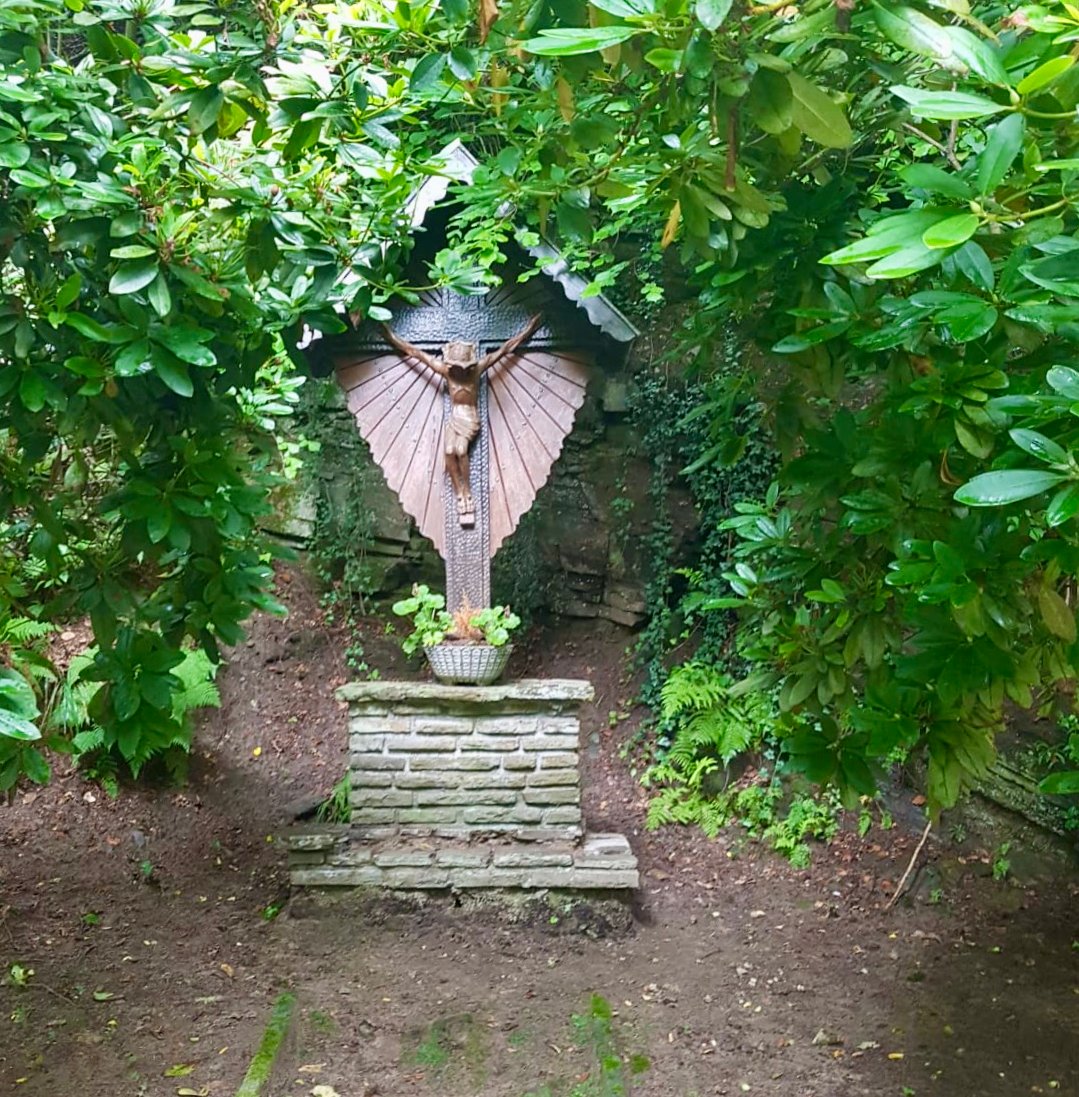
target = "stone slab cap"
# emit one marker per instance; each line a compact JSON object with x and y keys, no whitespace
{"x":535,"y":690}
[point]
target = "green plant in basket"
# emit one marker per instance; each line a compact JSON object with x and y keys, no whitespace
{"x":432,"y":624}
{"x":494,"y":624}
{"x":430,"y":621}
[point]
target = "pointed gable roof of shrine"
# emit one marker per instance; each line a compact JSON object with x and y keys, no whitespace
{"x":460,"y":166}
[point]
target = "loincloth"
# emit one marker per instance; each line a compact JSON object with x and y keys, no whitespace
{"x":461,"y":428}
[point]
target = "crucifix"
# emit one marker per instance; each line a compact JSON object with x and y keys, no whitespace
{"x":463,"y":370}
{"x":466,"y":428}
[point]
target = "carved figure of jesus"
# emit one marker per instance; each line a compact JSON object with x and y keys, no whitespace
{"x":461,"y":367}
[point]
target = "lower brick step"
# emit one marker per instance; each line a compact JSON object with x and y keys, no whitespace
{"x":344,"y":857}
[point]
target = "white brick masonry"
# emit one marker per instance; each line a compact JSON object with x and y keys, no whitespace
{"x":466,"y":759}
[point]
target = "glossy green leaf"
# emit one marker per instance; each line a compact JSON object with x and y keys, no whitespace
{"x":1057,"y":165}
{"x":936,"y":180}
{"x":974,"y":441}
{"x":131,"y":277}
{"x":887,"y":235}
{"x":1037,"y":445}
{"x":1059,"y":273}
{"x":1002,"y":146}
{"x":68,"y":293}
{"x":665,"y":60}
{"x":968,"y":322}
{"x":462,"y":63}
{"x":132,"y":251}
{"x":625,"y":9}
{"x":17,"y":694}
{"x":174,"y":373}
{"x":204,"y":107}
{"x":907,"y":260}
{"x":1058,"y":616}
{"x":13,"y":726}
{"x":972,"y":261}
{"x":792,"y":344}
{"x":994,"y":489}
{"x":569,"y":41}
{"x":770,"y":102}
{"x":428,"y":72}
{"x":159,"y":296}
{"x":978,"y":55}
{"x":1064,"y":380}
{"x":186,"y":342}
{"x":14,"y":154}
{"x":913,"y":30}
{"x":1060,"y":784}
{"x":1064,"y":506}
{"x":1045,"y":74}
{"x":951,"y":232}
{"x":946,"y":104}
{"x":817,"y":115}
{"x":712,"y":13}
{"x":99,"y":333}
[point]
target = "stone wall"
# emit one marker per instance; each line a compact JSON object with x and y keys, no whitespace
{"x":326,"y":856}
{"x":459,"y":761}
{"x":463,"y":787}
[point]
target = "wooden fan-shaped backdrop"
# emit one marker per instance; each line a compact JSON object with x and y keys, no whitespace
{"x":398,"y":403}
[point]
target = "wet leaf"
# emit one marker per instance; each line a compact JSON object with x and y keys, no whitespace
{"x":994,"y":489}
{"x":817,"y":115}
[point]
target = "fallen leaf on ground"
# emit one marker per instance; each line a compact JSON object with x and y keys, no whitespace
{"x":179,"y":1070}
{"x":824,"y":1038}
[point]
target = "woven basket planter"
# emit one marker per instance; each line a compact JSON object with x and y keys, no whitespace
{"x":468,"y":664}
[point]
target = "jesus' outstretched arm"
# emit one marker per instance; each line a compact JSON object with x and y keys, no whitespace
{"x":410,"y":351}
{"x":510,"y":346}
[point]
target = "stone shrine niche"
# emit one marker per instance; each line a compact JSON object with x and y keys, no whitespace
{"x":465,"y":403}
{"x":466,"y":467}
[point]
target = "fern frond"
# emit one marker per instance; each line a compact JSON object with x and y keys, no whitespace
{"x":691,"y":687}
{"x":20,"y":631}
{"x":93,"y":738}
{"x":199,"y":690}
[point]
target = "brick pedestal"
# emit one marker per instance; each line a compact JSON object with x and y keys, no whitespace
{"x":463,"y":786}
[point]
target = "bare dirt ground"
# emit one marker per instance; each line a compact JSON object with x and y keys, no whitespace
{"x":144,"y":921}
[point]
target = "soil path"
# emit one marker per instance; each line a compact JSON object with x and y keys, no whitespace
{"x":145,"y":923}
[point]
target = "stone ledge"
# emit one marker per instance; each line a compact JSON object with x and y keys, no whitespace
{"x":600,"y":862}
{"x":419,"y":695}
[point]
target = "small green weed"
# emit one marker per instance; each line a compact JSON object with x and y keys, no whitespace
{"x":611,"y":1068}
{"x":20,"y":976}
{"x":321,"y":1022}
{"x":453,"y":1048}
{"x":336,"y":807}
{"x":1002,"y":867}
{"x":430,"y":1051}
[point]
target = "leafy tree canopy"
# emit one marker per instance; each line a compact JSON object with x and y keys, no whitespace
{"x":881,"y":196}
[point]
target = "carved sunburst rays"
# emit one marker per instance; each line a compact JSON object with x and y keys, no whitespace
{"x":532,"y":401}
{"x":531,"y":404}
{"x":397,"y":404}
